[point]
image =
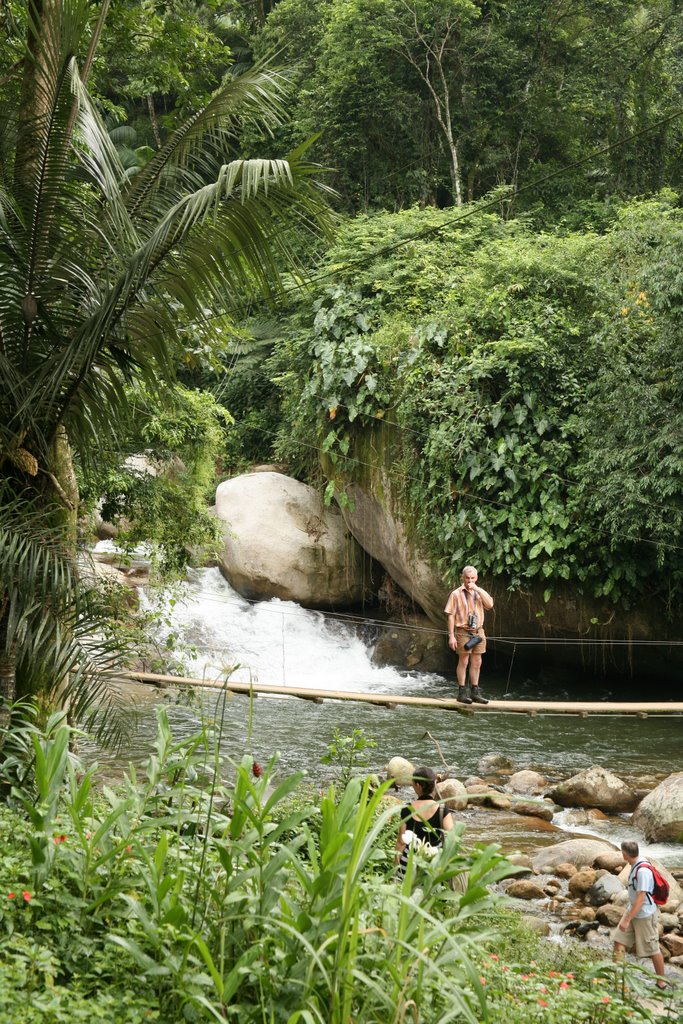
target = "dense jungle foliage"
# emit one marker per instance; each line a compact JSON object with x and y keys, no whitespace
{"x":522,"y":387}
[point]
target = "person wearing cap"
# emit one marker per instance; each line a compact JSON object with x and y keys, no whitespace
{"x":465,"y":610}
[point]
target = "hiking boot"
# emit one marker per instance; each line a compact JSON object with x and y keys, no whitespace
{"x":462,"y":696}
{"x":477,"y":697}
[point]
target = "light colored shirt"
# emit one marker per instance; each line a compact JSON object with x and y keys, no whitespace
{"x":461,"y":604}
{"x":642,"y":881}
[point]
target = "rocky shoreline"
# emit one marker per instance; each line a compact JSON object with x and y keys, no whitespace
{"x":579,"y":883}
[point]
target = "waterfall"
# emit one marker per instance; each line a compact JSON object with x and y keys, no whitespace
{"x":276,"y":642}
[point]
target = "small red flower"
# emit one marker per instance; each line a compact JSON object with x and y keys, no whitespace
{"x":570,"y":975}
{"x":11,"y":895}
{"x":505,"y":967}
{"x":553,"y":974}
{"x":542,"y":1002}
{"x":605,"y":999}
{"x":59,"y":839}
{"x":128,"y":849}
{"x":494,"y":957}
{"x":482,"y":980}
{"x":563,"y":984}
{"x":26,"y":895}
{"x":257,"y":770}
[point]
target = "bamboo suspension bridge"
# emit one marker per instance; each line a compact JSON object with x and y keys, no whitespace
{"x":641,"y":709}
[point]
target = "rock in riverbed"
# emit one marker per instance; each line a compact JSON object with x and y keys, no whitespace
{"x":595,"y":787}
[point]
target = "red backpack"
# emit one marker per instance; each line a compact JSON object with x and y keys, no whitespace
{"x":660,"y":893}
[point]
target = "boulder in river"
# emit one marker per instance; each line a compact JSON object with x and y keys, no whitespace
{"x":595,"y":787}
{"x":491,"y":763}
{"x":581,"y":882}
{"x":603,"y":890}
{"x":610,"y":915}
{"x":534,"y":808}
{"x":610,"y":860}
{"x":401,"y":771}
{"x":526,"y":781}
{"x":572,"y":851}
{"x":524,"y":889}
{"x":453,"y":793}
{"x":660,"y":815}
{"x":281,"y":541}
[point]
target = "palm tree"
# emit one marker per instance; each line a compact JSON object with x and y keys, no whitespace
{"x":98,"y":274}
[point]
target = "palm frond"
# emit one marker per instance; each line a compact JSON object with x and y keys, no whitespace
{"x":54,"y":625}
{"x":257,"y":96}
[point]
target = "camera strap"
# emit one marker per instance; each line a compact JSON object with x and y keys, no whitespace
{"x":466,"y":596}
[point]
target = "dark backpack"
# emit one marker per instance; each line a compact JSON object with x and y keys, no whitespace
{"x":660,"y":893}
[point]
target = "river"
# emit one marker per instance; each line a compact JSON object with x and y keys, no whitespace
{"x":280,"y":642}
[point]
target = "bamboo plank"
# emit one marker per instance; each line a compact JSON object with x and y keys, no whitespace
{"x":389,"y":700}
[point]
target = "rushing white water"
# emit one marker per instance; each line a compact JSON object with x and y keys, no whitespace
{"x":275,"y":642}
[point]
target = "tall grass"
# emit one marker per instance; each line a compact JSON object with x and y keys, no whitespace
{"x":230,"y":901}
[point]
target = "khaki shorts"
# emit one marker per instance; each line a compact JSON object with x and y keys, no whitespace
{"x":642,"y":933}
{"x":463,"y":635}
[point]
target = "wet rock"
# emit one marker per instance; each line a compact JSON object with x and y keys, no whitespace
{"x":573,"y":851}
{"x":587,"y":914}
{"x":673,"y":943}
{"x":603,"y":890}
{"x":620,"y":899}
{"x":595,"y":787}
{"x":552,"y":887}
{"x":580,"y":883}
{"x":523,"y":889}
{"x":473,"y":780}
{"x":672,"y":907}
{"x":498,"y":801}
{"x":565,"y":870}
{"x":610,"y":915}
{"x":526,"y":782}
{"x":488,"y":798}
{"x":677,"y":961}
{"x":416,"y":643}
{"x":454,"y":794}
{"x":534,"y":808}
{"x":401,"y":771}
{"x":660,"y":815}
{"x":521,"y":860}
{"x":669,"y":922}
{"x":583,"y":816}
{"x":611,"y":860}
{"x":489,"y":764}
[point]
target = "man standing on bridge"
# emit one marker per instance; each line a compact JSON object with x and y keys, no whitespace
{"x":465,"y":610}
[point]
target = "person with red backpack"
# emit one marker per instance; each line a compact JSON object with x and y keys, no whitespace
{"x":638,"y":925}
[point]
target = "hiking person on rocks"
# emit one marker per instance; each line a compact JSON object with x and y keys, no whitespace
{"x":638,"y":925}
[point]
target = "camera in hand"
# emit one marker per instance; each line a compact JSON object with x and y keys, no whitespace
{"x":472,"y":642}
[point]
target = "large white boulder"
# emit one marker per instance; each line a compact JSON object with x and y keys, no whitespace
{"x":281,"y":541}
{"x":573,"y":851}
{"x":660,"y":814}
